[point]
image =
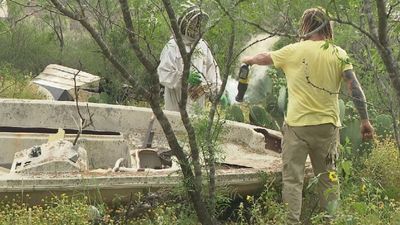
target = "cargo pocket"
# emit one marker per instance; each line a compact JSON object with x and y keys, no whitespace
{"x":333,"y":153}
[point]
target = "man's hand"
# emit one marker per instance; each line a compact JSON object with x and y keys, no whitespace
{"x":367,"y":131}
{"x":247,"y":60}
{"x":194,"y":78}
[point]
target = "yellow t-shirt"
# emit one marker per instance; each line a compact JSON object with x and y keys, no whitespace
{"x":309,"y":68}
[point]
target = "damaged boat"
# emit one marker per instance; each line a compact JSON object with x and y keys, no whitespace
{"x":120,"y":155}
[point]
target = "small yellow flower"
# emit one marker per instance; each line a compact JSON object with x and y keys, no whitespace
{"x":363,"y":188}
{"x":249,"y":198}
{"x":332,"y":176}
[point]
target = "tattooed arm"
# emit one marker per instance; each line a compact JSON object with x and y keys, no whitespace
{"x":259,"y":59}
{"x":354,"y":89}
{"x":356,"y":93}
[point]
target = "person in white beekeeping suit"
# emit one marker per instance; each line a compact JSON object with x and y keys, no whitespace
{"x":204,"y":79}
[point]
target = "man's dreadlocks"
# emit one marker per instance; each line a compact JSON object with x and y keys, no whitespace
{"x":315,"y":20}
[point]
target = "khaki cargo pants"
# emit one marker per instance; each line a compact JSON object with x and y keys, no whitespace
{"x":320,"y":142}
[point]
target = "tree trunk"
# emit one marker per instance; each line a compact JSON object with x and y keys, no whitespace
{"x":382,"y":42}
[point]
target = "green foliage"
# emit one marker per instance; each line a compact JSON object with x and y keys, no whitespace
{"x":351,"y":125}
{"x":282,"y":42}
{"x":364,"y":206}
{"x":78,"y":211}
{"x":258,"y":116}
{"x":264,"y":209}
{"x":267,"y":91}
{"x":368,"y":188}
{"x":31,"y":45}
{"x":166,"y":214}
{"x":28,"y":48}
{"x":57,"y":210}
{"x":15,"y":84}
{"x":383,"y":167}
{"x":208,"y":140}
{"x":383,"y":125}
{"x":351,"y":131}
{"x":234,"y":113}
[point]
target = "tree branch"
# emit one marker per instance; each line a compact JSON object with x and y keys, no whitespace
{"x":150,"y":67}
{"x":101,"y":43}
{"x":382,"y":22}
{"x":83,"y":122}
{"x":203,"y":214}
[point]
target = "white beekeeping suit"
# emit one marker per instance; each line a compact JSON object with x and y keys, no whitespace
{"x":3,"y":9}
{"x":171,"y":64}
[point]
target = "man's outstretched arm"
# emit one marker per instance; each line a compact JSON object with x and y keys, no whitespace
{"x":259,"y":59}
{"x":359,"y":100}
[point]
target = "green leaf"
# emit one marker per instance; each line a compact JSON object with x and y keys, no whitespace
{"x":347,"y":167}
{"x":360,"y":207}
{"x":313,"y":181}
{"x":383,"y":124}
{"x":234,"y":113}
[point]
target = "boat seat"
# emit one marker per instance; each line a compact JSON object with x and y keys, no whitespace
{"x":148,"y":158}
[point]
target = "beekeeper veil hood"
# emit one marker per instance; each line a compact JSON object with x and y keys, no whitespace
{"x":193,"y":21}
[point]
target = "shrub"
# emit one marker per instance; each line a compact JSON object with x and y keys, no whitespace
{"x":355,"y":209}
{"x":16,"y":84}
{"x":265,"y":209}
{"x":57,"y":210}
{"x":383,"y":167}
{"x":235,"y":113}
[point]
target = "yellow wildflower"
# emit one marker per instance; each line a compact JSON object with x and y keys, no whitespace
{"x":249,"y":198}
{"x":332,"y":176}
{"x":363,"y":188}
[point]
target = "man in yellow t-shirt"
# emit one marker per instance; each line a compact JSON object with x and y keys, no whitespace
{"x":314,"y":70}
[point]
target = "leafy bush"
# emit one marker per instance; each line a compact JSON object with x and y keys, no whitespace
{"x":77,"y":210}
{"x":383,"y":167}
{"x":363,"y":202}
{"x":15,"y":84}
{"x":166,"y":214}
{"x":265,"y":208}
{"x":235,"y":113}
{"x":369,"y":187}
{"x":367,"y":208}
{"x":57,"y":210}
{"x":260,"y":117}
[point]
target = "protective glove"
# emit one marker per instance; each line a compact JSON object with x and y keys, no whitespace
{"x":224,"y":100}
{"x":194,"y":78}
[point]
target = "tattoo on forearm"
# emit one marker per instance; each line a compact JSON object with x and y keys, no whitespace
{"x":356,"y":93}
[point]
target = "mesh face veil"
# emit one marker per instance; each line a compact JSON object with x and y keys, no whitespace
{"x":193,"y":22}
{"x":316,"y":19}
